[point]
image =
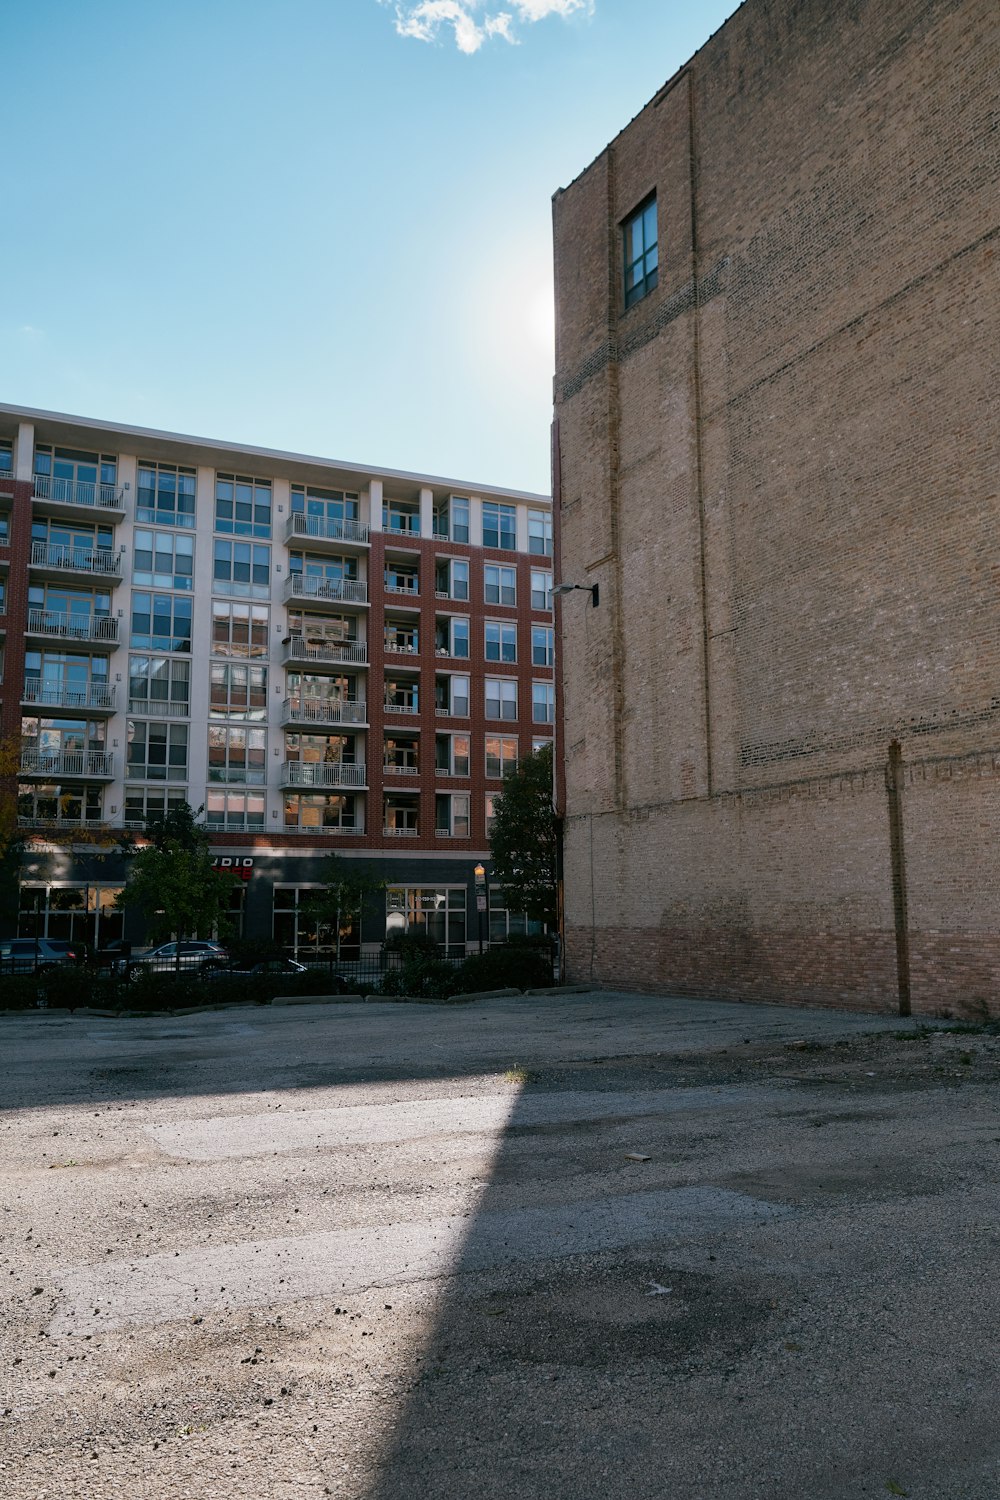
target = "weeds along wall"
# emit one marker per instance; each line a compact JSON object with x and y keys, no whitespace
{"x":780,"y":465}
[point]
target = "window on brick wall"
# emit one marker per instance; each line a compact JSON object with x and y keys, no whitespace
{"x":641,"y":252}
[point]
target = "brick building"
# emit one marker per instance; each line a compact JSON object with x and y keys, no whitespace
{"x":324,"y":656}
{"x":776,"y":453}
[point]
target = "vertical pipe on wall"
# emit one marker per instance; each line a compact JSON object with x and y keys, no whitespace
{"x":894,"y":792}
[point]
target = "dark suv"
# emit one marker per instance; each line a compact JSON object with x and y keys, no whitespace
{"x":195,"y":953}
{"x":34,"y":955}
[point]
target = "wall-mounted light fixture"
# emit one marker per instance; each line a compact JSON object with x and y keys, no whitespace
{"x":592,"y":589}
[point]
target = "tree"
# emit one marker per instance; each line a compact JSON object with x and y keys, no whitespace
{"x":174,"y":882}
{"x":524,"y":838}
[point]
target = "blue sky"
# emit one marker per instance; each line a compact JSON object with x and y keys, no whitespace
{"x":321,"y":225}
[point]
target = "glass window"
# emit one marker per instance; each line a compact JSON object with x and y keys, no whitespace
{"x":543,"y":646}
{"x":6,"y":457}
{"x":541,"y":590}
{"x":491,"y":802}
{"x":499,"y":525}
{"x":501,"y":698}
{"x":165,"y":494}
{"x":543,"y":702}
{"x":242,"y":570}
{"x":144,"y":803}
{"x":501,"y":754}
{"x":452,"y":578}
{"x":239,"y":629}
{"x":440,"y":913}
{"x":237,"y":753}
{"x":163,"y":560}
{"x":237,"y":690}
{"x":639,"y":238}
{"x":234,"y":809}
{"x":451,"y":754}
{"x":459,"y":519}
{"x":506,"y":924}
{"x":540,"y":532}
{"x":242,"y":505}
{"x":161,"y":622}
{"x":451,"y":815}
{"x":500,"y":585}
{"x":322,"y":811}
{"x":501,"y":641}
{"x":158,"y":685}
{"x":156,"y":752}
{"x":296,"y":930}
{"x":324,"y":507}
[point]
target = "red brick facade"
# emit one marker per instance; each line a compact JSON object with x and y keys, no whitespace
{"x":780,"y":466}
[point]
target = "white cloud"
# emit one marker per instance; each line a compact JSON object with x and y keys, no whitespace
{"x":471,"y":25}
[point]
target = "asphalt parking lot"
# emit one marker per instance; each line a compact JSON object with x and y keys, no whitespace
{"x":568,"y":1247}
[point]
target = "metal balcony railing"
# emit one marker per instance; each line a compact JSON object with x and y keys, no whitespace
{"x":401,"y":520}
{"x":348,"y":652}
{"x":409,"y":586}
{"x":402,"y":708}
{"x":392,"y":645}
{"x":67,"y":763}
{"x":324,"y":529}
{"x":323,"y":774}
{"x":400,"y":833}
{"x":65,"y":695}
{"x":79,"y":492}
{"x":76,"y":559}
{"x":72,"y":627}
{"x":324,"y":711}
{"x":311,"y":831}
{"x":334,"y":590}
{"x":395,"y":768}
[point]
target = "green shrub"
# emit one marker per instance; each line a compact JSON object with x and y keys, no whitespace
{"x":18,"y":992}
{"x":517,"y":966}
{"x":428,"y":977}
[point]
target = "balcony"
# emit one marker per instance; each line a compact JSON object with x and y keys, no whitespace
{"x":91,"y":697}
{"x":395,"y":768}
{"x":297,"y":773}
{"x":321,"y":529}
{"x":69,"y":497}
{"x":92,"y":765}
{"x":330,"y":653}
{"x":394,"y":645}
{"x":324,"y":711}
{"x":99,"y":630}
{"x":400,"y":833}
{"x":395,"y":583}
{"x":401,"y":708}
{"x":322,"y":591}
{"x":327,"y":830}
{"x":398,"y":522}
{"x":60,"y":558}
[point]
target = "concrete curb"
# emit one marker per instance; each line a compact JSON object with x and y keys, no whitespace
{"x":563,"y":989}
{"x":316,"y":999}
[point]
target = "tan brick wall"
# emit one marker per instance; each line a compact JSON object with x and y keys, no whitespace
{"x":781,"y":466}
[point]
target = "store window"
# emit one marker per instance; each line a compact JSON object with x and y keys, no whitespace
{"x":438,"y":913}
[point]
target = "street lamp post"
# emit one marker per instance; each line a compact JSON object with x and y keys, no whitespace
{"x":480,"y":874}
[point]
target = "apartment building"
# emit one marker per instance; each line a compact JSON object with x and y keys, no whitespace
{"x":778,"y":317}
{"x":325,"y":657}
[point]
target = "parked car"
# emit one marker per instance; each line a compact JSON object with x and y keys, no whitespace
{"x":263,"y":966}
{"x":34,"y":955}
{"x":75,"y":952}
{"x":195,"y":953}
